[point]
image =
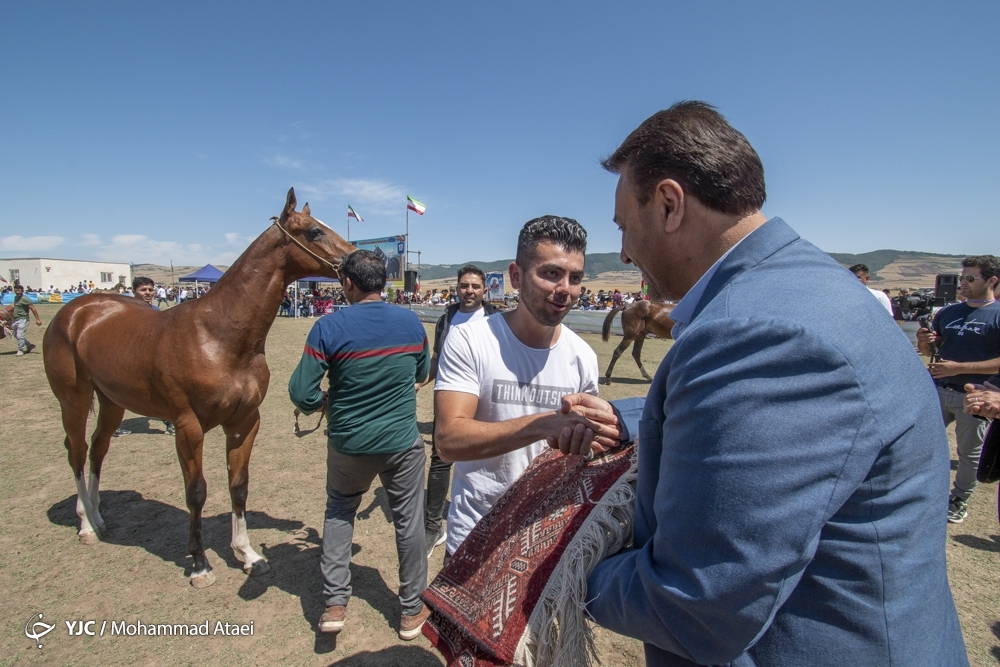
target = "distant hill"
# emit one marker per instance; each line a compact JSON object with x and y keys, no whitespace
{"x":161,"y":274}
{"x":890,"y":269}
{"x":879,"y":259}
{"x":597,"y":263}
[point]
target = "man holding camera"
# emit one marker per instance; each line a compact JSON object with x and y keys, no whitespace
{"x":967,"y":336}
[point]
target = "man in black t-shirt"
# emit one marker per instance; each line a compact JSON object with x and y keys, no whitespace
{"x":471,"y":306}
{"x":968,"y":338}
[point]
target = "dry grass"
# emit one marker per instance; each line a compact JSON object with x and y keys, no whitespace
{"x":138,"y":572}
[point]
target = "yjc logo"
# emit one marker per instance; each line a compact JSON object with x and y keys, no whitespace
{"x":37,"y":629}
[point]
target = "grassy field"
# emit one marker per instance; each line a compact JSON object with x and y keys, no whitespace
{"x":138,"y":572}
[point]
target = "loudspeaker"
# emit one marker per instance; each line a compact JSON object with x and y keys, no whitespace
{"x":946,"y":287}
{"x":410,"y":281}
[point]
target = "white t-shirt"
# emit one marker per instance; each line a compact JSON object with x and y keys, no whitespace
{"x":512,"y":380}
{"x":882,"y":298}
{"x":462,"y":318}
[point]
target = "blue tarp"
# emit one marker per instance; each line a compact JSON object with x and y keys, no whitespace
{"x":206,"y":274}
{"x":318,"y":279}
{"x":8,"y":298}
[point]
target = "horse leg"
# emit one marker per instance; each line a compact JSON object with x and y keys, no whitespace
{"x":109,"y":418}
{"x":637,"y":355}
{"x":239,"y":444}
{"x":190,"y":442}
{"x":614,"y":358}
{"x":75,"y":406}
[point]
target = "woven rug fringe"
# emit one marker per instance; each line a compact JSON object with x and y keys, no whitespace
{"x":558,"y":634}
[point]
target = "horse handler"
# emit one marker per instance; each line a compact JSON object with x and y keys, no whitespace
{"x":374,"y":354}
{"x":22,"y":305}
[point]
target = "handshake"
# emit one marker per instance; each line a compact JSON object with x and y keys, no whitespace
{"x":982,"y":400}
{"x":584,"y":425}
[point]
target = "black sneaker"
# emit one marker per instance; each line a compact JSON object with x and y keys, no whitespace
{"x":957,"y":510}
{"x":435,"y":539}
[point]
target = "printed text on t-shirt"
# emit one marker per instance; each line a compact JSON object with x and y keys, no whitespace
{"x":538,"y":395}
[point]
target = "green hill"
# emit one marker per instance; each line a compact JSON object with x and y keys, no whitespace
{"x":602,"y":262}
{"x":597,"y":263}
{"x":879,"y":259}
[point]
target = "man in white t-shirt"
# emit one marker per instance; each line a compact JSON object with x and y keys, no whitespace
{"x":861,"y":271}
{"x":501,"y":379}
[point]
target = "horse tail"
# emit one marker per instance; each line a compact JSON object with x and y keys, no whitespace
{"x":606,"y":329}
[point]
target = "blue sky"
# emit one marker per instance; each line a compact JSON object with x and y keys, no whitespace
{"x":150,"y":132}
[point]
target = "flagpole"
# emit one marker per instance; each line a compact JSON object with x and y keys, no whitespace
{"x":348,"y":225}
{"x":406,"y":264}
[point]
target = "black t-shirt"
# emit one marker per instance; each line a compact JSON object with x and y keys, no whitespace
{"x":968,"y":334}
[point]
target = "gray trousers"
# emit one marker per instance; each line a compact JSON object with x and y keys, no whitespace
{"x":20,"y":329}
{"x":347,"y":479}
{"x":969,"y":434}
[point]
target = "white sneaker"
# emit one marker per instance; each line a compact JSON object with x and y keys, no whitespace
{"x":19,"y":354}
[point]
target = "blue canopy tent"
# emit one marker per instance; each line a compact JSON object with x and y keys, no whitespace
{"x":206,"y":274}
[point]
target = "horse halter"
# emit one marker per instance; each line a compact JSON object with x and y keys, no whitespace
{"x":334,"y":267}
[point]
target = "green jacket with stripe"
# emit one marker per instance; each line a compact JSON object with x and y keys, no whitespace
{"x":373,"y":353}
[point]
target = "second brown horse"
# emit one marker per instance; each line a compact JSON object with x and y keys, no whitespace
{"x":639,"y":319}
{"x":200,"y":364}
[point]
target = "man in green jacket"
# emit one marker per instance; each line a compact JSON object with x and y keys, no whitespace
{"x":374,"y":353}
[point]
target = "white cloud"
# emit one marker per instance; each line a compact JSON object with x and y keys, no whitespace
{"x":90,"y":240}
{"x":30,"y":243}
{"x":376,"y":196}
{"x":232,"y":238}
{"x":289,"y":162}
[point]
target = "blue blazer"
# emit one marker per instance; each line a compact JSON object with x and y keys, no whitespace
{"x":792,"y":494}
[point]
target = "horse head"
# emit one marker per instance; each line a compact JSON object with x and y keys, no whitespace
{"x":314,"y":248}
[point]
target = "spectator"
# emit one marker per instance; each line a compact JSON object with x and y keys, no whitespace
{"x":22,"y":306}
{"x":374,"y":354}
{"x":472,"y":307}
{"x":862,"y":274}
{"x":967,"y":336}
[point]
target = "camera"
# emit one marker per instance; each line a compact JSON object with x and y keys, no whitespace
{"x":920,"y":303}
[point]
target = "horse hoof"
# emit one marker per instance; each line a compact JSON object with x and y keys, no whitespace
{"x":89,"y":538}
{"x":203,"y":580}
{"x":257,"y":568}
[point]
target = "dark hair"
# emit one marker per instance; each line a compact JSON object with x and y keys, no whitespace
{"x":567,"y":233}
{"x":988,"y":265}
{"x":693,"y":144}
{"x":139,"y":281}
{"x":365,"y":270}
{"x":472,"y":268}
{"x":859,"y":268}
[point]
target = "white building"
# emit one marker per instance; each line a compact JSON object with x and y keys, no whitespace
{"x":40,"y":273}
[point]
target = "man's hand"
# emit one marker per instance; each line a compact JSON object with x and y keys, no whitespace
{"x":38,"y":322}
{"x":982,"y":400}
{"x":926,"y":336}
{"x":591,"y":426}
{"x":944,"y":369}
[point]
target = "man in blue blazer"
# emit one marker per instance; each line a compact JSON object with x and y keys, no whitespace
{"x":792,"y":491}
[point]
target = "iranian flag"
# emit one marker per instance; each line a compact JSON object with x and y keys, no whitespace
{"x":351,"y":213}
{"x":415,"y":206}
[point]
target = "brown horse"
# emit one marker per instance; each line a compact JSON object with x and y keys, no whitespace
{"x":639,"y":319}
{"x":200,"y":365}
